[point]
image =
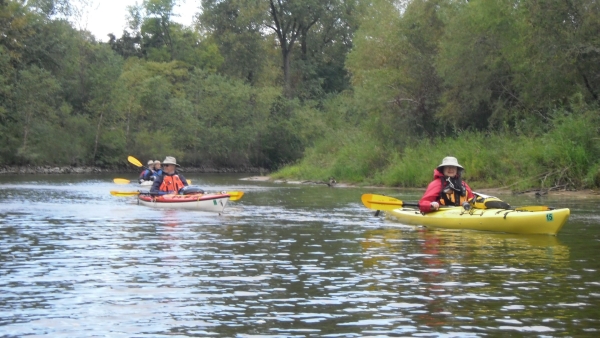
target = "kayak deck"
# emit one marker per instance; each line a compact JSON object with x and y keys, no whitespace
{"x":547,"y":222}
{"x":203,"y":202}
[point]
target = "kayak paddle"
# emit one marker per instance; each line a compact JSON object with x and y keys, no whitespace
{"x":124,"y":193}
{"x":387,"y":203}
{"x":121,"y":181}
{"x":233,"y":195}
{"x":134,"y":161}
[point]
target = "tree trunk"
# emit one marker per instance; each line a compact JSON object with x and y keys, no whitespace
{"x":286,"y":73}
{"x":97,"y":137}
{"x":25,"y":132}
{"x":26,"y":129}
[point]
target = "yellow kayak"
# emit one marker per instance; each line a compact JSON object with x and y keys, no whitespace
{"x":547,"y":222}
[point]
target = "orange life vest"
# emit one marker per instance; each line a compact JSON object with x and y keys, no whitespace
{"x":171,"y":183}
{"x":451,"y":197}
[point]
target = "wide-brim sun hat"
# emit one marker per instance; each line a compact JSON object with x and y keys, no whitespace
{"x":450,"y":161}
{"x":170,"y":160}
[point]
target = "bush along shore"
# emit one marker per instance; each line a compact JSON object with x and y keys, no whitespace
{"x":98,"y":170}
{"x":565,"y":157}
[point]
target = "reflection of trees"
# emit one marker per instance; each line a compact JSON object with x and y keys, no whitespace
{"x":468,"y":274}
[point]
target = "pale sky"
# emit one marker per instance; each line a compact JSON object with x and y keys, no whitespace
{"x":108,"y":16}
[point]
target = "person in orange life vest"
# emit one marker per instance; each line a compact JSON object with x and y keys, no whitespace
{"x":170,"y":182}
{"x":147,"y":174}
{"x":447,"y":187}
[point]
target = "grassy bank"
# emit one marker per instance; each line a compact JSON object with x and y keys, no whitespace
{"x":566,"y":155}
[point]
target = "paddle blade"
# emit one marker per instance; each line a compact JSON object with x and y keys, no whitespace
{"x":124,"y":193}
{"x":121,"y":181}
{"x":235,"y":195}
{"x":534,"y":208}
{"x":189,"y":182}
{"x":380,"y":202}
{"x":134,"y":161}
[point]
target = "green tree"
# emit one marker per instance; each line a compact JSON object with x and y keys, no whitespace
{"x":312,"y":39}
{"x":473,"y":61}
{"x":104,"y":71}
{"x":35,"y":97}
{"x":131,"y":81}
{"x":235,"y":27}
{"x":393,"y":69}
{"x":559,"y":47}
{"x":319,"y":62}
{"x":503,"y":62}
{"x":156,"y":30}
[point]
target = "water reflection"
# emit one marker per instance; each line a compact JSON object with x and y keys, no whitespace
{"x":452,"y":277}
{"x":279,"y":263}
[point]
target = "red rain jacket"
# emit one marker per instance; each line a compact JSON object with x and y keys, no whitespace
{"x":434,"y":192}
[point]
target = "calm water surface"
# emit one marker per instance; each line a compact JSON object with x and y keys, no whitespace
{"x":284,"y":261}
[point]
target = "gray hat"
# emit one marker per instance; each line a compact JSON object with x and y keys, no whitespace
{"x":170,"y":160}
{"x":450,"y":161}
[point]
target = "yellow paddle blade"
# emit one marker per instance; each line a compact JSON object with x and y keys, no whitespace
{"x":380,"y":202}
{"x":534,"y":208}
{"x":235,"y":195}
{"x":134,"y":161}
{"x":189,"y":181}
{"x":121,"y":181}
{"x":124,"y":193}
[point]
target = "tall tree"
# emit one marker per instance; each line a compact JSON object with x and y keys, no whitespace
{"x":393,"y":68}
{"x":319,"y":62}
{"x":311,"y":37}
{"x":503,"y":61}
{"x":475,"y":63}
{"x":563,"y":48}
{"x":289,"y":20}
{"x":104,"y":71}
{"x":236,"y":29}
{"x":35,"y":95}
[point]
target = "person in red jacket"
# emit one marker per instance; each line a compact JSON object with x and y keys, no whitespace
{"x":447,"y":187}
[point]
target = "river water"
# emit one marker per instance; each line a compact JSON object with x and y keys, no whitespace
{"x":284,"y":261}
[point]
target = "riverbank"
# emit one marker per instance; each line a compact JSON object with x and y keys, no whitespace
{"x":584,"y":193}
{"x":50,"y":170}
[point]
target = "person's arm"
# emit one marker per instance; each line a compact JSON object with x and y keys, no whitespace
{"x":183,"y":180}
{"x":432,"y":194}
{"x":156,"y":184}
{"x":469,"y":191}
{"x":149,"y":174}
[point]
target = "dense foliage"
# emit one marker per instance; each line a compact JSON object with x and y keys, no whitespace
{"x":363,"y":90}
